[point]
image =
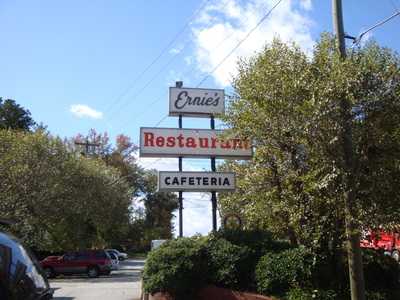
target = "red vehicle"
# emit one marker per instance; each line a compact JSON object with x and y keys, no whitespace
{"x":90,"y":262}
{"x":382,"y":240}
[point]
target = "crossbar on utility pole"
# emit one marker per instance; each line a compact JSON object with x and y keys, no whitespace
{"x":87,"y":145}
{"x":356,"y":273}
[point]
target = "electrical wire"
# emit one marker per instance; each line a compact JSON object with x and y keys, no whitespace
{"x":357,"y":40}
{"x":189,"y":71}
{"x":240,"y":42}
{"x":218,"y":65}
{"x":230,"y":53}
{"x":163,"y":51}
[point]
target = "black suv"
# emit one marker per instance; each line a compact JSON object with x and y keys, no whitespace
{"x":21,"y":277}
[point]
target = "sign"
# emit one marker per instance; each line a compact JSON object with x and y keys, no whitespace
{"x":232,"y":221}
{"x":172,"y":142}
{"x":196,"y":102}
{"x":195,"y":181}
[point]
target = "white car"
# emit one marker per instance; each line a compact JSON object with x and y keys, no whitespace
{"x":121,"y":255}
{"x":157,"y":243}
{"x":114,"y":260}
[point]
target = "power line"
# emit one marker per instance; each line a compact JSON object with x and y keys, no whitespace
{"x":148,"y":107}
{"x":171,"y":42}
{"x":357,"y":40}
{"x":231,"y":52}
{"x":240,"y":42}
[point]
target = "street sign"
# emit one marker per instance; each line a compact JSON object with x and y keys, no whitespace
{"x":195,"y":181}
{"x":196,"y":102}
{"x":172,"y":142}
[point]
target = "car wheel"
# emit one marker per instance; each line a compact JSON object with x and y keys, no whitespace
{"x":93,"y":272}
{"x":396,"y":255}
{"x":49,"y":272}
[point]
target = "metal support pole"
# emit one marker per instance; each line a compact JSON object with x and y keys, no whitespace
{"x":179,"y":84}
{"x":213,"y":194}
{"x":356,"y":273}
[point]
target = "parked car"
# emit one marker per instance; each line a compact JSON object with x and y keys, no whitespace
{"x":114,"y":260}
{"x":90,"y":262}
{"x":386,"y":241}
{"x":21,"y":276}
{"x":157,"y":243}
{"x":121,"y":255}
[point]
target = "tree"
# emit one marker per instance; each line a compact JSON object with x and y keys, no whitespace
{"x":288,"y":102}
{"x":59,"y":199}
{"x":119,"y":155}
{"x":14,"y":116}
{"x":159,"y":209}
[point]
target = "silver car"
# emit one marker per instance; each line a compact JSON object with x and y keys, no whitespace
{"x":114,"y":260}
{"x":21,"y":277}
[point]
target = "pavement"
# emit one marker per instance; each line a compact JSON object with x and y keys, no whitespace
{"x":124,"y":284}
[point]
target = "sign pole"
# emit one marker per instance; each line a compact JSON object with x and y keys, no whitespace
{"x":213,"y":193}
{"x":179,"y":84}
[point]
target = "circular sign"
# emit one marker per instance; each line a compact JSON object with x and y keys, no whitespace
{"x":232,"y":221}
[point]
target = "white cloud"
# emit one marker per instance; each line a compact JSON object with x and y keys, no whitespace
{"x":82,"y":111}
{"x":306,"y":4}
{"x":176,"y":50}
{"x":225,"y":23}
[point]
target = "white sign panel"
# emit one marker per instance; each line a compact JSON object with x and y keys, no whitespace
{"x":195,"y":181}
{"x":196,"y":102}
{"x":173,"y":142}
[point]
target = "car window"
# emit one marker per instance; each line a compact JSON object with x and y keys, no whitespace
{"x":113,"y":256}
{"x":83,"y":255}
{"x":69,"y":256}
{"x":100,"y":254}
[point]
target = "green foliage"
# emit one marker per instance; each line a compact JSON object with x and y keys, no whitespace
{"x":152,"y":222}
{"x":159,"y":208}
{"x":259,"y":241}
{"x":14,"y":116}
{"x":276,"y":273}
{"x":229,"y":265}
{"x":59,"y":199}
{"x":288,"y":103}
{"x":178,"y":267}
{"x":381,"y":272}
{"x":297,"y":293}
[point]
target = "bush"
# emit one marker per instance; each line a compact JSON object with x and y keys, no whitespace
{"x":229,"y":265}
{"x":178,"y":267}
{"x":381,"y":272}
{"x":276,"y":273}
{"x":305,"y":294}
{"x":259,"y":241}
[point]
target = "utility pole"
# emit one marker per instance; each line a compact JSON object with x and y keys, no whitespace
{"x":179,"y":84}
{"x":213,"y":193}
{"x":356,"y":273}
{"x":87,"y":145}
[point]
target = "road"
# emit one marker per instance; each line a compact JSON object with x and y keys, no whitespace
{"x":123,"y":284}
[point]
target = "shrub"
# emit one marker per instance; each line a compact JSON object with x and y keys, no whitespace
{"x":259,"y":241}
{"x":276,"y":273}
{"x":229,"y":265}
{"x":178,"y":267}
{"x":381,"y":272}
{"x":307,"y":294}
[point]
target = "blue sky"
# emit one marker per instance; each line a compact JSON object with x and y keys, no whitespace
{"x":78,"y":65}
